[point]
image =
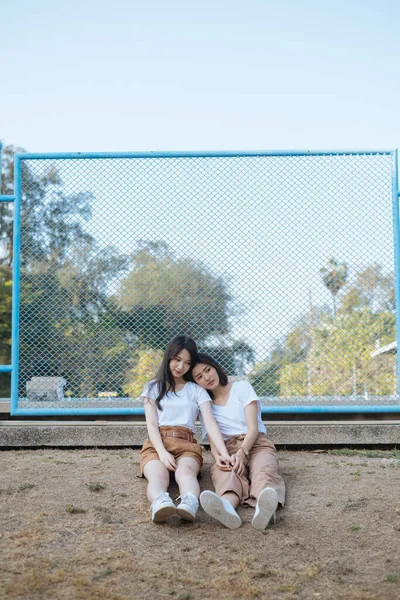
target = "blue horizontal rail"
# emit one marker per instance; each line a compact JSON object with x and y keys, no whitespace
{"x":4,"y":198}
{"x":329,"y":409}
{"x":6,"y":368}
{"x":28,"y":412}
{"x":195,"y":154}
{"x":31,"y":412}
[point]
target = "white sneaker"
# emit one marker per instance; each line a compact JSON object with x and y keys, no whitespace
{"x":162,"y":507}
{"x":220,"y":509}
{"x":188,"y":507}
{"x":266,"y":506}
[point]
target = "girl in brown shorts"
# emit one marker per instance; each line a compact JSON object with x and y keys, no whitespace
{"x":172,"y":403}
{"x":253,"y":478}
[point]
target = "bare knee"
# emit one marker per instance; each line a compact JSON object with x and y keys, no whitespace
{"x":184,"y":471}
{"x":155,"y":471}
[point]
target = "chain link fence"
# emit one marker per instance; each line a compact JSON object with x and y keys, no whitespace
{"x":280,"y":266}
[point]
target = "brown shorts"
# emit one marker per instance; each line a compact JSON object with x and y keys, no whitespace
{"x":261,"y":471}
{"x":179,"y":441}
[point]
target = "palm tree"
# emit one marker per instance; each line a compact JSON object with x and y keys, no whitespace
{"x":334,"y":276}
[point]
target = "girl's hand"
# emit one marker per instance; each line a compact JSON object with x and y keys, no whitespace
{"x":223,"y":463}
{"x":168,"y":460}
{"x":240,"y":463}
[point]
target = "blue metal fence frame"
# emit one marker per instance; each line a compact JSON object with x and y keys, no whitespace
{"x":16,"y":199}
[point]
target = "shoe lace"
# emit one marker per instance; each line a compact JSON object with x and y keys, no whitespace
{"x":162,"y":497}
{"x":189,"y":499}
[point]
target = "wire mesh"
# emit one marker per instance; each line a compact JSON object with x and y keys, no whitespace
{"x":281,"y":267}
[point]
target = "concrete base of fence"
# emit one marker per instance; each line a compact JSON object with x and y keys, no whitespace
{"x":35,"y":434}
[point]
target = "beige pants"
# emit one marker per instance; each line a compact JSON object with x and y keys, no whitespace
{"x":261,"y":471}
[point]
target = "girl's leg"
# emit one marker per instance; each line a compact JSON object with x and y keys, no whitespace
{"x":229,"y":485}
{"x":186,"y":476}
{"x":232,"y":498}
{"x":263,"y":468}
{"x":267,"y":486}
{"x":157,"y":476}
{"x":162,"y":506}
{"x":221,"y":504}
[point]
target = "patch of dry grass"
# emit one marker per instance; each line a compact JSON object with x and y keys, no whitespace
{"x":75,"y":510}
{"x":42,"y":583}
{"x":325,"y":546}
{"x":95,"y":486}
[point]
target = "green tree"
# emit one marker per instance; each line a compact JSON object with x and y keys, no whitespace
{"x":331,"y":356}
{"x":341,"y":355}
{"x":145,"y":365}
{"x":264,"y":376}
{"x":293,"y":379}
{"x":371,"y":289}
{"x":68,"y":325}
{"x":6,"y":240}
{"x":66,"y":313}
{"x":235,"y":358}
{"x":267,"y":377}
{"x":7,"y":208}
{"x":163,"y":296}
{"x":334,"y":276}
{"x":5,"y":328}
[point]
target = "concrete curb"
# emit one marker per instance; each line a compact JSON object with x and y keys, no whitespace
{"x":35,"y":434}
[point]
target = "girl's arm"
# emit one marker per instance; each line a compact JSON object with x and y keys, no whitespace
{"x":213,"y":433}
{"x":222,"y":463}
{"x":251,"y":415}
{"x":154,"y":434}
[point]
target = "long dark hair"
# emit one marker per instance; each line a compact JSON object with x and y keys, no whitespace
{"x":209,"y":360}
{"x":164,"y":379}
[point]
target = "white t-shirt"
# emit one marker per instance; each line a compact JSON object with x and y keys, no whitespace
{"x":231,"y":418}
{"x":179,"y":409}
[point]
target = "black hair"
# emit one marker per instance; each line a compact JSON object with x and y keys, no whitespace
{"x":164,"y":379}
{"x":209,"y":360}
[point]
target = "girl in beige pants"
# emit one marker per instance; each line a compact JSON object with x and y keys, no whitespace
{"x":252,"y":478}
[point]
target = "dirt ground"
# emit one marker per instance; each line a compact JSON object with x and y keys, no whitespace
{"x":75,"y":525}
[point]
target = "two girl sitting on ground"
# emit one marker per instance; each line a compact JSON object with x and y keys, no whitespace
{"x":172,"y":402}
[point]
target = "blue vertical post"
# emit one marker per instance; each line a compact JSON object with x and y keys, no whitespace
{"x":16,"y":285}
{"x":396,"y":231}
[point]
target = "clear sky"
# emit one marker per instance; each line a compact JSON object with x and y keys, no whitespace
{"x":164,"y":75}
